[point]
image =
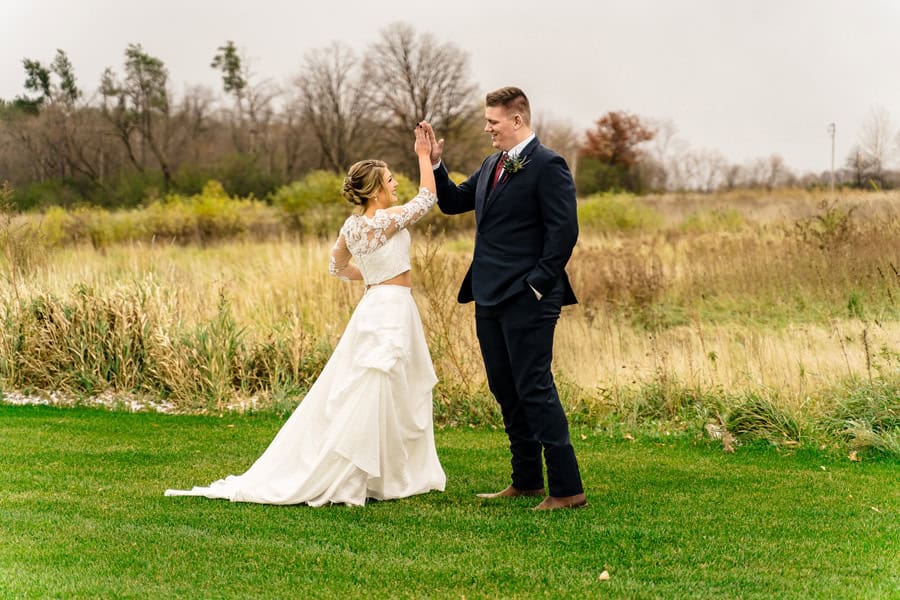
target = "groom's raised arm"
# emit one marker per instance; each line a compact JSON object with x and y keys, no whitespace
{"x":454,"y":199}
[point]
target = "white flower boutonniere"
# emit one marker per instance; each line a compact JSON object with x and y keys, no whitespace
{"x":514,"y":164}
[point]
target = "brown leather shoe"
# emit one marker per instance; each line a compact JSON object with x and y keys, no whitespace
{"x":512,"y":492}
{"x":554,"y":502}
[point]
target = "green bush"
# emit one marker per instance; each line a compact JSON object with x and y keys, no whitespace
{"x":242,"y":175}
{"x":594,"y":176}
{"x":209,"y":216}
{"x":314,"y":204}
{"x":717,"y":219}
{"x":868,"y":416}
{"x":763,"y":417}
{"x":40,"y":194}
{"x":130,"y":190}
{"x":616,"y":212}
{"x":406,"y":187}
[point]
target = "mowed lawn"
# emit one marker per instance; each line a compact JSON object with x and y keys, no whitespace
{"x":82,"y":515}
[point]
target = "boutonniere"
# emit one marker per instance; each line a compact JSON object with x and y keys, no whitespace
{"x":514,"y":164}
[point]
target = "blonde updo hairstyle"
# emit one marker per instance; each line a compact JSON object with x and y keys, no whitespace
{"x":363,"y":181}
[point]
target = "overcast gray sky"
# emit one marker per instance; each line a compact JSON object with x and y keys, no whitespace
{"x":747,"y":78}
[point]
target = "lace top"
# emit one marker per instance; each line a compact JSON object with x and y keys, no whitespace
{"x":378,"y":244}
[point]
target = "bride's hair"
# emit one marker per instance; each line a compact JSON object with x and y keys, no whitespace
{"x":363,"y":181}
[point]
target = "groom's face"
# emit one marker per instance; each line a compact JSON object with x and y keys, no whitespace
{"x":502,"y":127}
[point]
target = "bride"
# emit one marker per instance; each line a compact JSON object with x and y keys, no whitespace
{"x":365,"y":429}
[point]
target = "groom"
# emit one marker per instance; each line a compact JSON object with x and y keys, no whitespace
{"x":525,"y":228}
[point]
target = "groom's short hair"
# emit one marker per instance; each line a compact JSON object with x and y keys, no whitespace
{"x":513,"y":100}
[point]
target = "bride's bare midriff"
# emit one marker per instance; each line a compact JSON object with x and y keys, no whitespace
{"x":404,"y":279}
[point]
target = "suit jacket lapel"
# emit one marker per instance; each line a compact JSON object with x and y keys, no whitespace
{"x":485,"y":191}
{"x":504,"y":178}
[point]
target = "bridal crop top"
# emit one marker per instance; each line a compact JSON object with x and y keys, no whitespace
{"x":378,"y":244}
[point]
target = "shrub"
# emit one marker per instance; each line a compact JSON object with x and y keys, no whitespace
{"x":594,"y":176}
{"x":763,"y":417}
{"x":868,"y":417}
{"x":40,"y":194}
{"x":717,"y":219}
{"x":314,"y":204}
{"x":129,"y":190}
{"x":616,"y":212}
{"x":240,"y":174}
{"x":54,"y":223}
{"x":209,"y":216}
{"x":406,"y":187}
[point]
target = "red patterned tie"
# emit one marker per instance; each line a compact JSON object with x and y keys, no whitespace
{"x":499,"y":169}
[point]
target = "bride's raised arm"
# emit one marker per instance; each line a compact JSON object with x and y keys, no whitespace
{"x":391,"y":220}
{"x":423,"y":152}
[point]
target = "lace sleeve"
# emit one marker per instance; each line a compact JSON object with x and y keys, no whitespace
{"x":391,"y":220}
{"x":339,"y":263}
{"x":388,"y":221}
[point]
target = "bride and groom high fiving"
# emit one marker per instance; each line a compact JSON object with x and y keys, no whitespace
{"x":364,"y":430}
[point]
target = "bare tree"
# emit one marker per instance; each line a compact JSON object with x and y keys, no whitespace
{"x":559,"y":135}
{"x":297,"y":140}
{"x":337,"y":104}
{"x":708,"y":169}
{"x":661,"y":171}
{"x":190,"y":126}
{"x":139,"y":106}
{"x":861,"y":166}
{"x":733,"y":176}
{"x":777,"y":172}
{"x":875,"y":141}
{"x":254,"y":114}
{"x":57,"y":131}
{"x":768,"y":172}
{"x":419,"y":78}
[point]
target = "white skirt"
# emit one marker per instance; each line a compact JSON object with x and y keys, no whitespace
{"x":365,"y":428}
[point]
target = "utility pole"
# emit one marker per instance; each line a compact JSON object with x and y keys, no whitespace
{"x":831,"y":129}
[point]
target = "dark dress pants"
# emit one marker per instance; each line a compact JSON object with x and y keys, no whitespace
{"x":516,"y":338}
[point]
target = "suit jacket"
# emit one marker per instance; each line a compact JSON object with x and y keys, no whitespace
{"x":525,"y":226}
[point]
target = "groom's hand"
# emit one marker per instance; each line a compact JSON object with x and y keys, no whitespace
{"x":437,"y":145}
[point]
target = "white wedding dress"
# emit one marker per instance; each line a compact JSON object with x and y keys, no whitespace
{"x":365,"y":429}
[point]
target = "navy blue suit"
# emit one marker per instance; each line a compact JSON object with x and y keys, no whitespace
{"x":525,"y":228}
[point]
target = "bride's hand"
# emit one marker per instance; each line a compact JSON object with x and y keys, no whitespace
{"x":437,"y":145}
{"x":423,"y":144}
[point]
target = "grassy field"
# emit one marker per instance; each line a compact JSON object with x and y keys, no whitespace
{"x":82,"y":515}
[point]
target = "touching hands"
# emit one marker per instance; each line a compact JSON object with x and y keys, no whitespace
{"x":437,"y":145}
{"x":422,"y":146}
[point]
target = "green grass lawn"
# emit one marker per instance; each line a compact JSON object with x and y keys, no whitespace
{"x":82,"y":515}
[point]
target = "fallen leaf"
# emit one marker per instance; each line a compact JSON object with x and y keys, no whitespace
{"x":604,"y":576}
{"x":854,"y":457}
{"x":584,"y":437}
{"x":628,"y":437}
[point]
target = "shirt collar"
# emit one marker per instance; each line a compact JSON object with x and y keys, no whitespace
{"x":517,"y":149}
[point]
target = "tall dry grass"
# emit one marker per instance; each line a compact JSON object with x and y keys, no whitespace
{"x":674,"y":321}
